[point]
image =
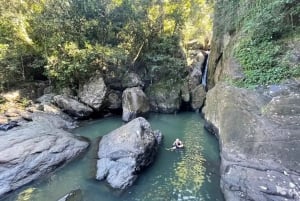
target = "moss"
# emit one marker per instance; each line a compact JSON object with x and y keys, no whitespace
{"x":166,"y":85}
{"x":260,"y":30}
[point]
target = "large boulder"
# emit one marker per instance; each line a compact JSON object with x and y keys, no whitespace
{"x":126,"y":151}
{"x":134,"y":103}
{"x":164,"y":98}
{"x":198,"y":97}
{"x":114,"y":100}
{"x":259,"y":137}
{"x":93,"y":92}
{"x":72,"y":106}
{"x":132,"y":80}
{"x":34,"y":149}
{"x":46,"y":98}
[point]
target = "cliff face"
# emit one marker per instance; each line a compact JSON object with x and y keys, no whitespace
{"x":259,"y":134}
{"x":256,"y":44}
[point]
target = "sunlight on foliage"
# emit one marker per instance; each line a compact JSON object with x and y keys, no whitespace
{"x":262,"y":33}
{"x":69,"y":40}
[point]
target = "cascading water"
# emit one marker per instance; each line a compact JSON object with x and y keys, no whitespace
{"x":204,"y":76}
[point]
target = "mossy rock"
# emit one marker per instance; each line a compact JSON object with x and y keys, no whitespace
{"x":164,"y":97}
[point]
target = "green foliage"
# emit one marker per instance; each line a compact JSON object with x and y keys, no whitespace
{"x":70,"y":64}
{"x":24,"y":102}
{"x":164,"y":59}
{"x":261,"y":62}
{"x":263,"y":28}
{"x":18,"y":58}
{"x":69,"y":40}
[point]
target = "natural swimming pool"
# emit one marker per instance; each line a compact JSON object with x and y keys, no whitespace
{"x":190,"y":174}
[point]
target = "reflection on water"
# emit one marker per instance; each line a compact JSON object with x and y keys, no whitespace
{"x":189,"y":174}
{"x":190,"y":170}
{"x":26,"y":195}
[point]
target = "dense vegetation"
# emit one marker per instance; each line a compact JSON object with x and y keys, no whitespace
{"x":264,"y":33}
{"x":67,"y":41}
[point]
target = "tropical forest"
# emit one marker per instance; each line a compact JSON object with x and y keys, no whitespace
{"x":149,"y":100}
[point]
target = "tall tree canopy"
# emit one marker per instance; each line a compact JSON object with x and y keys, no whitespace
{"x":66,"y":41}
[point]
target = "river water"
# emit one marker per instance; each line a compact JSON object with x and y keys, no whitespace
{"x":190,"y":174}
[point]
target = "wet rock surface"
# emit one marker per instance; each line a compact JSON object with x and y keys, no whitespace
{"x":259,"y":134}
{"x":126,"y":151}
{"x":34,"y":149}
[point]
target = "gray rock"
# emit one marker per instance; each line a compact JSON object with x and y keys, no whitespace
{"x":126,"y":151}
{"x":51,"y":109}
{"x":185,"y":92}
{"x":75,"y":195}
{"x":93,"y":92}
{"x":46,"y":98}
{"x":198,"y":97}
{"x":9,"y":125}
{"x":134,"y":103}
{"x":132,"y":80}
{"x":72,"y":106}
{"x":114,"y":100}
{"x":66,"y":91}
{"x":196,"y":61}
{"x":158,"y":136}
{"x":34,"y":149}
{"x":164,"y":98}
{"x":259,"y":138}
{"x":45,"y":105}
{"x":113,"y":78}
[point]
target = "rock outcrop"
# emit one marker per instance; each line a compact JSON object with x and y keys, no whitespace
{"x":72,"y":106}
{"x":125,"y":151}
{"x":35,"y":149}
{"x":259,"y":134}
{"x":198,"y":97}
{"x":93,"y":92}
{"x":114,"y":100}
{"x":164,"y":98}
{"x":134,"y":103}
{"x":132,"y":80}
{"x":197,"y":62}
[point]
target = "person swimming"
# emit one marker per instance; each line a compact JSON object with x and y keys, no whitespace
{"x":177,"y":144}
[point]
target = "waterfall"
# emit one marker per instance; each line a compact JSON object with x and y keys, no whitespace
{"x":204,"y":76}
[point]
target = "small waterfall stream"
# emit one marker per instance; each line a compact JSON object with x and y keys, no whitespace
{"x":204,"y":76}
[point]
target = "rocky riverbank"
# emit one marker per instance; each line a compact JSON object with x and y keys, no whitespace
{"x":259,"y":134}
{"x":34,"y":149}
{"x":36,"y":131}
